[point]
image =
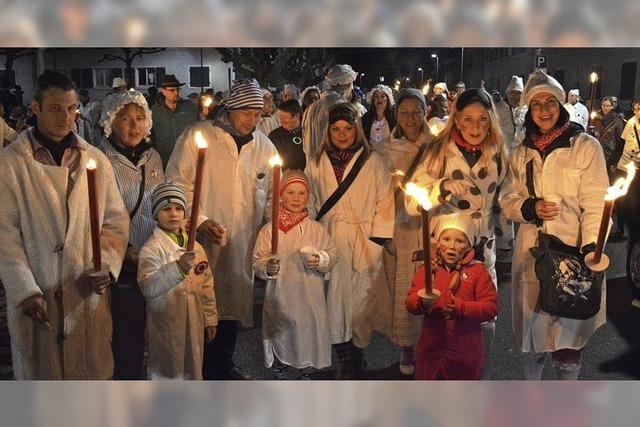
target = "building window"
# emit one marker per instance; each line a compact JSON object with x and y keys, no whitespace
{"x":628,"y":80}
{"x":199,"y":76}
{"x":82,"y":77}
{"x":103,"y":77}
{"x":150,"y":76}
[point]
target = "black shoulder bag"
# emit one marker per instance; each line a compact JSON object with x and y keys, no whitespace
{"x":567,"y":288}
{"x":342,"y":187}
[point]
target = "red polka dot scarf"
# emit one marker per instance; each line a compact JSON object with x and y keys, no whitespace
{"x":542,"y":141}
{"x":289,"y":219}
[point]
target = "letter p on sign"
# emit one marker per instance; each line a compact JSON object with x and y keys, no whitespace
{"x":541,"y":61}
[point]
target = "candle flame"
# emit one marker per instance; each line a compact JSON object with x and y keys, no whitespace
{"x":594,"y":77}
{"x":207,"y":101}
{"x":593,"y":115}
{"x":275,"y":161}
{"x":200,"y":141}
{"x":398,"y":173}
{"x":91,"y":164}
{"x":420,"y":194}
{"x":425,"y":89}
{"x":621,"y":186}
{"x":435,"y":129}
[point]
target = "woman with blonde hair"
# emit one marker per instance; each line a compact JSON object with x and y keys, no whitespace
{"x":463,"y":170}
{"x":351,"y":195}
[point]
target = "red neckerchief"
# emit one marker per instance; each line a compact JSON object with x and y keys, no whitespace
{"x":289,"y":219}
{"x":543,"y":141}
{"x":462,"y":143}
{"x":340,"y":159}
{"x":454,"y":283}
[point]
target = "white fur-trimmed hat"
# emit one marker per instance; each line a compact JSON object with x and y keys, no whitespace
{"x":539,"y":82}
{"x":113,"y":103}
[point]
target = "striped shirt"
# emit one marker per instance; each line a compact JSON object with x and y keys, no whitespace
{"x":129,"y":177}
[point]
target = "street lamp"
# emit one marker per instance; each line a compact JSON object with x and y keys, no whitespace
{"x":433,"y":55}
{"x":421,"y":75}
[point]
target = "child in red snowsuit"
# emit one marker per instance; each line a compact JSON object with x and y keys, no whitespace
{"x":450,"y":345}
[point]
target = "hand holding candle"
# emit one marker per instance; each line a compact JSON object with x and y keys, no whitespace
{"x":197,"y":189}
{"x":422,"y":196}
{"x":598,"y":261}
{"x":276,"y":163}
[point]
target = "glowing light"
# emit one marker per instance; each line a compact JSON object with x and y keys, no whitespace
{"x":91,"y":164}
{"x":275,"y":161}
{"x":420,"y":194}
{"x":593,"y":77}
{"x":200,"y":141}
{"x":621,"y":186}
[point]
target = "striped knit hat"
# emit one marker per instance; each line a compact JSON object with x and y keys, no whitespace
{"x":292,"y":176}
{"x":165,"y":193}
{"x":245,"y":94}
{"x":292,"y":90}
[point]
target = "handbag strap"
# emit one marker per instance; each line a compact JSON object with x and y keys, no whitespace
{"x":342,"y":187}
{"x":140,"y":194}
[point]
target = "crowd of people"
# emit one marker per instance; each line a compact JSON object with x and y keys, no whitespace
{"x":350,"y":256}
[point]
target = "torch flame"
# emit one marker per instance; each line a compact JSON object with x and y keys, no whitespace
{"x":594,"y":77}
{"x":207,"y":101}
{"x":420,"y":194}
{"x":91,"y":164}
{"x":275,"y":161}
{"x":621,"y":186}
{"x":593,"y":115}
{"x":425,"y":89}
{"x":398,"y":173}
{"x":435,"y":129}
{"x":200,"y":141}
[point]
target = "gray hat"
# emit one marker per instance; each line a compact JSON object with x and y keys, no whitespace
{"x":341,"y":74}
{"x":539,"y":82}
{"x":412,"y":93}
{"x":166,"y":193}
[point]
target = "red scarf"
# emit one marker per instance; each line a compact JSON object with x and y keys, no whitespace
{"x":543,"y":141}
{"x":289,"y":219}
{"x":454,"y":283}
{"x":462,"y":143}
{"x":340,"y":159}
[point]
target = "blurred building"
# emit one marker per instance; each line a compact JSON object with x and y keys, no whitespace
{"x":88,"y":69}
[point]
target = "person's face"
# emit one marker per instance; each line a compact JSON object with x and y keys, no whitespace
{"x":573,"y":98}
{"x":245,"y":120}
{"x":342,"y":133}
{"x":460,"y":88}
{"x":294,"y":197}
{"x":56,"y":113}
{"x":614,"y":102}
{"x":453,"y":245}
{"x":513,"y":97}
{"x":121,"y":89}
{"x":346,"y":91}
{"x":128,"y":125}
{"x":16,"y":112}
{"x":606,"y":106}
{"x":84,"y":98}
{"x":545,"y":111}
{"x":410,"y":116}
{"x":289,"y":121}
{"x":287,"y":96}
{"x":268,"y":107}
{"x":437,"y":90}
{"x":380,"y":99}
{"x":473,"y":123}
{"x":312,"y":96}
{"x":171,"y":217}
{"x":171,"y":94}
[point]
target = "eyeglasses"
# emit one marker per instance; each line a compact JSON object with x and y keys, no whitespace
{"x":551,"y":104}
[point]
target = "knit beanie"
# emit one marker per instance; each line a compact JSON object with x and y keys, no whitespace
{"x":539,"y":82}
{"x":166,"y":193}
{"x":343,"y":111}
{"x":245,"y":94}
{"x":412,"y":93}
{"x":292,"y":176}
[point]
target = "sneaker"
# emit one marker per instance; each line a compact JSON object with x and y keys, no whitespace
{"x":407,"y":370}
{"x":305,"y":374}
{"x":407,"y":361}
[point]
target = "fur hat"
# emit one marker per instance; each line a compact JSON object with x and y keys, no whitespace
{"x":515,"y":83}
{"x":384,"y":89}
{"x":113,"y":103}
{"x":539,"y":82}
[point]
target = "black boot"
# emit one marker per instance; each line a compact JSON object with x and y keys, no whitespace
{"x":345,"y":369}
{"x":358,"y":362}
